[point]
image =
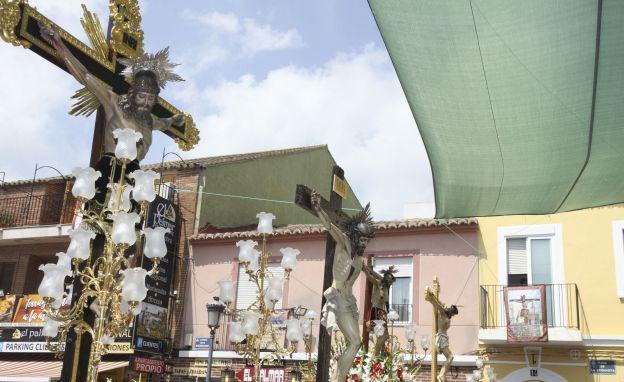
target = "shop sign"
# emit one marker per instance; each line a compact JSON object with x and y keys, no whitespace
{"x":602,"y":366}
{"x":148,"y":365}
{"x":151,"y":329}
{"x":26,"y":347}
{"x":203,"y":343}
{"x":120,"y":348}
{"x":189,"y":371}
{"x":246,"y":374}
{"x":199,"y":362}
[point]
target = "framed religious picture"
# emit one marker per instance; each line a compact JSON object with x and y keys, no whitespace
{"x":525,"y":309}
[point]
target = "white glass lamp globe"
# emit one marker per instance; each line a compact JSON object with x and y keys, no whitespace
{"x":410,"y":332}
{"x":289,"y":258}
{"x":50,"y":327}
{"x":246,"y":251}
{"x":393,"y":315}
{"x":84,"y":185}
{"x":265,"y":222}
{"x":226,"y":291}
{"x":275,"y":289}
{"x":479,"y":363}
{"x":80,"y":244}
{"x":63,"y":261}
{"x":123,"y":227}
{"x":144,"y":190}
{"x":53,"y":283}
{"x":236,"y":333}
{"x":133,"y":288}
{"x":470,"y":378}
{"x":293,"y":330}
{"x":476,"y":374}
{"x":115,"y":203}
{"x":250,"y":322}
{"x":306,"y":325}
{"x":311,"y":315}
{"x":378,"y":329}
{"x":107,"y":340}
{"x":126,"y":143}
{"x":425,"y":342}
{"x":155,"y":246}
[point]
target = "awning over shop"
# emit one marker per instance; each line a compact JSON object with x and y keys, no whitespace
{"x":520,"y":104}
{"x":43,"y":371}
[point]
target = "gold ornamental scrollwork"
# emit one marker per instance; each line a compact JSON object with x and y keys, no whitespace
{"x":191,"y":134}
{"x":10,"y":15}
{"x":126,"y":34}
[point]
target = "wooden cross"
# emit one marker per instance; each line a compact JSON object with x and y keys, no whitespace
{"x":19,"y":25}
{"x":333,"y":207}
{"x":432,"y":296}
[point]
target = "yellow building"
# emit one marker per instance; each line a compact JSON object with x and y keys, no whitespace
{"x":579,"y":258}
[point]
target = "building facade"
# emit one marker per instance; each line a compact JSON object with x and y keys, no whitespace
{"x":567,"y":273}
{"x":420,"y":249}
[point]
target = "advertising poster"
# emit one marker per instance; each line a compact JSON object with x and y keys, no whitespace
{"x":7,"y":307}
{"x":525,"y":307}
{"x":151,"y":329}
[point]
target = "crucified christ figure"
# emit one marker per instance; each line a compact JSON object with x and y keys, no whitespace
{"x":441,"y":339}
{"x":379,"y":300}
{"x":340,"y":309}
{"x":148,"y":74}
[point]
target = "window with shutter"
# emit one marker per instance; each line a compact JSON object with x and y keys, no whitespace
{"x":401,"y":290}
{"x":516,"y":261}
{"x":7,"y":271}
{"x":246,"y":289}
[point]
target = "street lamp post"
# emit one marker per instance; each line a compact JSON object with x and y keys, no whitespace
{"x":214,"y":309}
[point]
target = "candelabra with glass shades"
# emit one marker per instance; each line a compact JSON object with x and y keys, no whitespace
{"x":250,"y":329}
{"x":479,"y":376}
{"x":113,"y":287}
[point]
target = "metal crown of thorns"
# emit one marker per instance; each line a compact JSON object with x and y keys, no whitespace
{"x":157,"y":63}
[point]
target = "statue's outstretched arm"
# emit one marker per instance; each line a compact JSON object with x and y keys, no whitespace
{"x":75,"y":67}
{"x":334,"y":231}
{"x":164,"y":124}
{"x":371,"y":275}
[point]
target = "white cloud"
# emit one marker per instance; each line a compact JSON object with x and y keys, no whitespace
{"x":220,"y":22}
{"x":247,"y":35}
{"x":354,"y":103}
{"x":258,"y":38}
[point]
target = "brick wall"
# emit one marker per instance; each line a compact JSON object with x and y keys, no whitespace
{"x":186,"y":179}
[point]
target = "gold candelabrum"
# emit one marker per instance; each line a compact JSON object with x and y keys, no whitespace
{"x":101,"y":280}
{"x":261,"y":343}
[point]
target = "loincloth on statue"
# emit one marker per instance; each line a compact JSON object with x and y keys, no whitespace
{"x":442,"y":341}
{"x":337,"y":304}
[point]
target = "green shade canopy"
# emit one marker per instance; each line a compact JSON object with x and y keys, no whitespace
{"x":520,"y":104}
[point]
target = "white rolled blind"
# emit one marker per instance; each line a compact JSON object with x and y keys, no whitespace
{"x":516,"y":256}
{"x":247,"y":291}
{"x":402,"y":264}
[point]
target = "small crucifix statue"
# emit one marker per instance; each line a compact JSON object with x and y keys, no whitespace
{"x":441,"y":323}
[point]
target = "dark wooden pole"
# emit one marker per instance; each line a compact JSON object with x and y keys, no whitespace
{"x":324,"y":344}
{"x":78,"y":348}
{"x":368,"y":291}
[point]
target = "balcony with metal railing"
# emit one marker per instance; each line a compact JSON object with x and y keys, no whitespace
{"x":37,"y":210}
{"x":562,"y":307}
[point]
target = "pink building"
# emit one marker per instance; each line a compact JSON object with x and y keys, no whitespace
{"x":419,"y":248}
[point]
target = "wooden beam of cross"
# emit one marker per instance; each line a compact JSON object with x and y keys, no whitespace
{"x":19,"y":25}
{"x":333,"y":207}
{"x":432,"y":296}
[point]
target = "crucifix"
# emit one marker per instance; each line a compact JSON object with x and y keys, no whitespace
{"x":347,"y":240}
{"x":106,"y":62}
{"x":120,"y":81}
{"x":439,"y":327}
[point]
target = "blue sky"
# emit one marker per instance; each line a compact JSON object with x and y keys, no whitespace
{"x":259,"y":76}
